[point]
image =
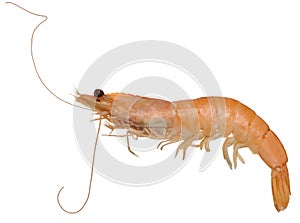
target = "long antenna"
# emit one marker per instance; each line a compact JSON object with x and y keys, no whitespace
{"x":95,"y":146}
{"x":31,"y":51}
{"x":90,"y":183}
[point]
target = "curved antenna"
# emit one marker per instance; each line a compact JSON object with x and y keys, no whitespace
{"x":31,"y":52}
{"x":90,"y":183}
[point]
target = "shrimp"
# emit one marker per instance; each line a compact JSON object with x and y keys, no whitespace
{"x":201,"y":119}
{"x":186,"y":121}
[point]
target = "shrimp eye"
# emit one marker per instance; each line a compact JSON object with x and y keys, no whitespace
{"x":98,"y":93}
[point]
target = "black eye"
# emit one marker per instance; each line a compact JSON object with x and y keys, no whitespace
{"x":98,"y":93}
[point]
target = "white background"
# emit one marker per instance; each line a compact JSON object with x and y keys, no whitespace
{"x":252,"y":48}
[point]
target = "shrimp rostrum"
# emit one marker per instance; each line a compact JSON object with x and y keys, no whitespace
{"x":201,"y":119}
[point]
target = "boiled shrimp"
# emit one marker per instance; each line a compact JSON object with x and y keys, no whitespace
{"x":201,"y":119}
{"x":186,"y":121}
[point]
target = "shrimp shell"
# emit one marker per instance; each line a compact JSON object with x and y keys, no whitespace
{"x":201,"y":119}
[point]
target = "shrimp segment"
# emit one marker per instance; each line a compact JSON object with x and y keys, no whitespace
{"x":203,"y":119}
